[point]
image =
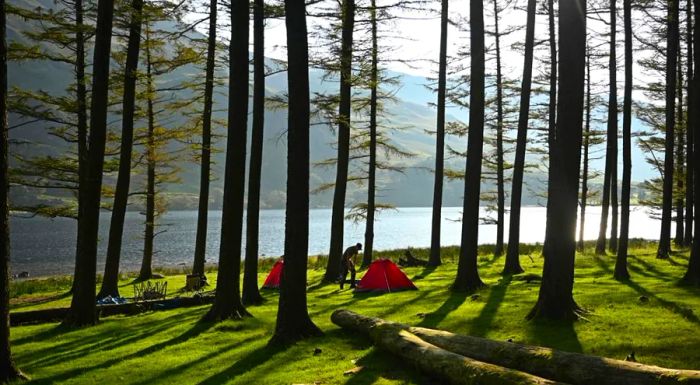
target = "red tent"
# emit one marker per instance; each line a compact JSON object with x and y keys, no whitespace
{"x":273,"y":279}
{"x":384,"y":276}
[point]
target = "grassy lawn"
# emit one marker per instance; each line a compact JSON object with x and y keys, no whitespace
{"x":174,"y":347}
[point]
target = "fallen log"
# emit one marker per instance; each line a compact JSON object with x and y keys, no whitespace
{"x":449,"y":366}
{"x":573,"y":368}
{"x":59,"y":314}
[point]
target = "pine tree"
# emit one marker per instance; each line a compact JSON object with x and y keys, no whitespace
{"x":293,"y":321}
{"x":338,"y":214}
{"x":83,"y":308}
{"x":205,"y":160}
{"x":621,"y":272}
{"x":467,"y":272}
{"x":227,"y":303}
{"x":555,"y":299}
{"x":671,"y":60}
{"x":110,"y":280}
{"x":435,"y":259}
{"x":512,"y":264}
{"x":251,"y":294}
{"x":8,"y":370}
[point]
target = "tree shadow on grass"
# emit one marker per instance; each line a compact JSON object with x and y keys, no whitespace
{"x":40,"y":301}
{"x":252,"y":360}
{"x":683,"y":311}
{"x":195,"y":331}
{"x":379,"y":364}
{"x":426,"y":272}
{"x":182,"y":368}
{"x":555,"y":334}
{"x":79,"y":347}
{"x":649,"y":269}
{"x":680,"y":255}
{"x":480,"y":325}
{"x":452,"y":303}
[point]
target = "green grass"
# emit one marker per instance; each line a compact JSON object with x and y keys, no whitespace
{"x":174,"y":347}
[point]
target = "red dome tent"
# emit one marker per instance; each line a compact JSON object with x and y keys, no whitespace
{"x":273,"y":279}
{"x":384,"y":276}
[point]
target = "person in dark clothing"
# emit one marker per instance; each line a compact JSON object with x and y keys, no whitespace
{"x":347,"y":264}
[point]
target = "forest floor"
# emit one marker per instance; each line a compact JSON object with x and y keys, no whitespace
{"x":650,"y":315}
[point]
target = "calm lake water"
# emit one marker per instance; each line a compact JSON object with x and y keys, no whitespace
{"x":44,"y":246}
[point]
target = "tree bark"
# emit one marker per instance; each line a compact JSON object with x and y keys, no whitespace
{"x":200,"y":245}
{"x":434,"y":259}
{"x":573,"y":368}
{"x":512,"y":264}
{"x":500,"y":184}
{"x":689,"y":183}
{"x":81,"y":96}
{"x":372,"y":172}
{"x":344,"y":109}
{"x":555,"y":299}
{"x":621,"y":272}
{"x":251,"y":293}
{"x":586,"y":145}
{"x":8,"y":370}
{"x":467,"y":271}
{"x":83,"y":303}
{"x":613,"y":175}
{"x":680,"y":155}
{"x":110,"y":281}
{"x":610,"y":178}
{"x":671,"y":59}
{"x":692,"y":275}
{"x":227,"y":303}
{"x":293,"y":321}
{"x":149,"y":230}
{"x":552,"y":105}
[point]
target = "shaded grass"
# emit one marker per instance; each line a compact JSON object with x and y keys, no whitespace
{"x":174,"y":346}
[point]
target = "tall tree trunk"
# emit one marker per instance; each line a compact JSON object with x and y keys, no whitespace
{"x":610,"y":176}
{"x":293,"y":321}
{"x":434,"y":259}
{"x":680,"y":154}
{"x":692,"y":275}
{"x":689,"y":168}
{"x":467,"y":272}
{"x":586,"y":145}
{"x":344,"y":109}
{"x":552,"y":105}
{"x":500,"y":184}
{"x":227,"y":303}
{"x":8,"y":370}
{"x":149,"y":231}
{"x":251,"y":294}
{"x":81,"y":95}
{"x":555,"y":299}
{"x":110,"y":281}
{"x":200,"y":245}
{"x":371,"y":181}
{"x":671,"y":59}
{"x":83,"y":304}
{"x":621,"y":272}
{"x":612,"y":120}
{"x":512,"y":265}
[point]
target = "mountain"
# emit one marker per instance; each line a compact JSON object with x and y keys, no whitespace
{"x":410,"y":111}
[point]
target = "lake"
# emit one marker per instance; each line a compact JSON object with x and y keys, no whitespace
{"x":43,"y":246}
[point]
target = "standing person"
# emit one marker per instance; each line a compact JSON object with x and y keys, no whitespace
{"x":347,"y":263}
